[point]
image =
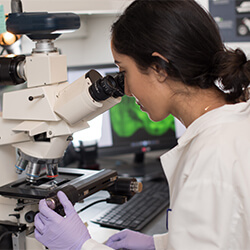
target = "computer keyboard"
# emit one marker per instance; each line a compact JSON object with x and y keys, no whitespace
{"x":139,"y":210}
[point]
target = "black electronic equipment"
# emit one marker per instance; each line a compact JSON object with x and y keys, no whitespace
{"x":139,"y":210}
{"x":42,"y":25}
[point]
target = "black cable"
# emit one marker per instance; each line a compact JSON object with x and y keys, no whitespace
{"x":90,"y":205}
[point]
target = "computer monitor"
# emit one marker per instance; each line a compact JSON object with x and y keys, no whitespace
{"x":125,"y":134}
{"x":131,"y":131}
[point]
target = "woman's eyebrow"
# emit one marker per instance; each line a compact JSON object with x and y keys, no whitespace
{"x":117,"y":62}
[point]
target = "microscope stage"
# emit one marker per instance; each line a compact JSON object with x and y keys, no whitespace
{"x":88,"y":181}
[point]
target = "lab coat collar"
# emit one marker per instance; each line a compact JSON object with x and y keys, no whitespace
{"x":220,"y":115}
{"x":224,"y":114}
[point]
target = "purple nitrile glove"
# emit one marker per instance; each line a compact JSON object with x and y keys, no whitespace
{"x":131,"y":240}
{"x":57,"y":232}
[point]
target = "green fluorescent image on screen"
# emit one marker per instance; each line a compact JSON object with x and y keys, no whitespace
{"x":132,"y":126}
{"x":127,"y":118}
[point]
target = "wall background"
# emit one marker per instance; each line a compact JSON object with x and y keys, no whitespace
{"x":91,"y":44}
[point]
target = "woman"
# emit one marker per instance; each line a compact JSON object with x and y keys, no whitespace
{"x":175,"y":63}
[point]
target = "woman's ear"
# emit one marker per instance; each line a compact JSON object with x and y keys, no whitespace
{"x":161,"y":56}
{"x":161,"y":73}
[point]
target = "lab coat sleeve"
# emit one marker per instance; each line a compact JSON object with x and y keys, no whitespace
{"x":160,"y":241}
{"x":93,"y":245}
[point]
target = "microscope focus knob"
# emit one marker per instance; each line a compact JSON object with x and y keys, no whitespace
{"x":30,"y":216}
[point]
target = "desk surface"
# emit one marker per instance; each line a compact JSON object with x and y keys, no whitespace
{"x":101,"y":234}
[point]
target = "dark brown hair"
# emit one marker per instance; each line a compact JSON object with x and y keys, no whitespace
{"x":188,"y":37}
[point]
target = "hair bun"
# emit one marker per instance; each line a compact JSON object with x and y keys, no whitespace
{"x":233,"y":68}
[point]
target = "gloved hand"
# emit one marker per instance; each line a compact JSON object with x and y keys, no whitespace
{"x":57,"y":232}
{"x":131,"y":240}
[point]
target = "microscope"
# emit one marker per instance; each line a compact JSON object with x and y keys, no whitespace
{"x":38,"y":122}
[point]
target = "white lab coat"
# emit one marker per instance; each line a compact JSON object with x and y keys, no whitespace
{"x":209,"y":178}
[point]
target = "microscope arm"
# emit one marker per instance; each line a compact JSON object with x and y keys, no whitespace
{"x":45,"y":119}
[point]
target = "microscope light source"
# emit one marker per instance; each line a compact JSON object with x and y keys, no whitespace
{"x":8,"y":38}
{"x":10,"y":42}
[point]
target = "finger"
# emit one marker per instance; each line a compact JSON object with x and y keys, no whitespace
{"x":67,"y":205}
{"x":39,"y":224}
{"x":109,"y":242}
{"x":38,"y":235}
{"x":46,"y":211}
{"x":118,"y":236}
{"x":112,"y":241}
{"x":43,"y":208}
{"x":117,"y":244}
{"x":41,"y":217}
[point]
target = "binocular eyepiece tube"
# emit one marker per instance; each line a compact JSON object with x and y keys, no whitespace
{"x":108,"y":86}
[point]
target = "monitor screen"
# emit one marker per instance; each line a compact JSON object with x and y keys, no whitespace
{"x":129,"y":130}
{"x":125,"y":129}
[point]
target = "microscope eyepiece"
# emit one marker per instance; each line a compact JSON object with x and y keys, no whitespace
{"x":108,"y":86}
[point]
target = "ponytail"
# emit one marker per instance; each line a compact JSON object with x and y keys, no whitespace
{"x":233,"y":71}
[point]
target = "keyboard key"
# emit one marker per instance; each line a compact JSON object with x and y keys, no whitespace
{"x":139,"y":210}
